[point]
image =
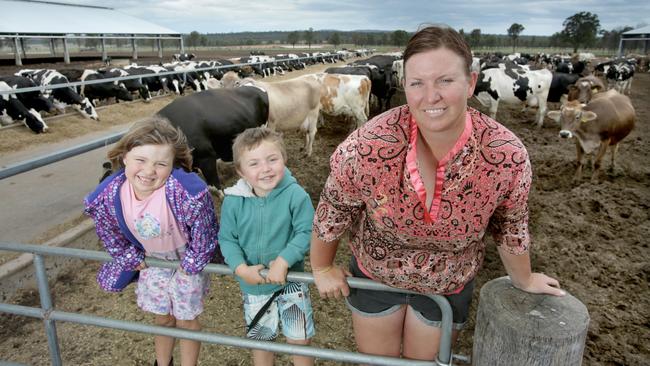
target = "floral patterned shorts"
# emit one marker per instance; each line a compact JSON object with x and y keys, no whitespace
{"x":291,"y":309}
{"x":165,"y":291}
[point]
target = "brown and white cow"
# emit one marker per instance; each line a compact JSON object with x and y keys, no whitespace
{"x":603,"y":122}
{"x":293,"y":104}
{"x":344,"y":95}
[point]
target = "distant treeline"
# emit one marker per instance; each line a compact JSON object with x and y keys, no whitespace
{"x":606,"y":40}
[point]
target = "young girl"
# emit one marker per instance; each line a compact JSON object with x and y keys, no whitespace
{"x":153,"y":206}
{"x":266,"y":223}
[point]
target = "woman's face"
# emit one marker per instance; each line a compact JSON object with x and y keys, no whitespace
{"x":437,"y":87}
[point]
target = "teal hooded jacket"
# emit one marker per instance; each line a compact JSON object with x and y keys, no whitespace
{"x":256,"y":230}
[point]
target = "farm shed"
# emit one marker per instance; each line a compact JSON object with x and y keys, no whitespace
{"x":639,"y":34}
{"x":46,"y":24}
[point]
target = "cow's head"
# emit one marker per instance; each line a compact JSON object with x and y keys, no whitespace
{"x":584,"y":89}
{"x":571,"y":117}
{"x":122,"y":93}
{"x":87,"y":110}
{"x":230,"y":80}
{"x":35,"y":122}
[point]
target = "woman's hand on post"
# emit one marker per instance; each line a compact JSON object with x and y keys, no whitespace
{"x":331,"y":281}
{"x":539,"y":283}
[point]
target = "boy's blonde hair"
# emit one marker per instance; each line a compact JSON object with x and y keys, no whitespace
{"x":252,"y":138}
{"x":155,"y":130}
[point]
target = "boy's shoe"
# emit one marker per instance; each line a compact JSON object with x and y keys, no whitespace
{"x":171,"y":362}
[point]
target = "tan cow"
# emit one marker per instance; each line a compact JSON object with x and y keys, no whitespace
{"x":603,"y":122}
{"x":584,"y":88}
{"x":293,"y":104}
{"x":344,"y":95}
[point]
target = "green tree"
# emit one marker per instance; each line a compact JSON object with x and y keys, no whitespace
{"x":193,"y":39}
{"x":357,"y":39}
{"x":335,"y":39}
{"x":370,"y":39}
{"x":475,"y":37}
{"x":309,"y":36}
{"x":580,"y":29}
{"x":611,"y":38}
{"x":399,"y":37}
{"x":513,"y":32}
{"x":293,"y":38}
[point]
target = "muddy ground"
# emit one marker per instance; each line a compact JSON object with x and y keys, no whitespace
{"x":592,"y":237}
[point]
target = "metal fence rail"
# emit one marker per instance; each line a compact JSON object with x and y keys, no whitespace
{"x":50,"y":315}
{"x":74,"y":84}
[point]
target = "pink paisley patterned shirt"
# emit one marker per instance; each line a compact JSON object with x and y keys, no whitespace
{"x":375,"y":191}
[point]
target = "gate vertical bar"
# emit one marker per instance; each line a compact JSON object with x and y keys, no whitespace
{"x":17,"y":58}
{"x":66,"y":52}
{"x":46,"y":305}
{"x":160,"y":50}
{"x":134,"y":48}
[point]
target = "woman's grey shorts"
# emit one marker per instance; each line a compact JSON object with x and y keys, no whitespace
{"x":381,"y":303}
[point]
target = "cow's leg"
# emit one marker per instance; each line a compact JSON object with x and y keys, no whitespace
{"x":310,"y":126}
{"x":598,"y":160}
{"x":613,"y":152}
{"x":541,"y":113}
{"x":493,"y":109}
{"x":208,"y":168}
{"x":579,"y":153}
{"x":360,"y":117}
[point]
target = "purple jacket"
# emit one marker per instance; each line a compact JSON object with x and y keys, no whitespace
{"x":191,"y":205}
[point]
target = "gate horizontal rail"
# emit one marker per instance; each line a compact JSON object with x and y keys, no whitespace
{"x":49,"y":315}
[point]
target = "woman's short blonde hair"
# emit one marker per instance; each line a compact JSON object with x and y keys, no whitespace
{"x":155,"y":130}
{"x":252,"y":138}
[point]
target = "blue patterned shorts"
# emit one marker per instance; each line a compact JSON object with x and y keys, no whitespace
{"x":165,"y":291}
{"x":292,"y":308}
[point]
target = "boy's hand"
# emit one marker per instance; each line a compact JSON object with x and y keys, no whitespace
{"x":250,"y":274}
{"x":278,"y":271}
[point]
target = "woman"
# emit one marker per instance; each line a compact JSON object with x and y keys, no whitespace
{"x":418,"y":187}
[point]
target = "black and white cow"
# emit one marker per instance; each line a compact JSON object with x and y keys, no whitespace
{"x":383,"y":78}
{"x":103,"y":91}
{"x":514,"y":86}
{"x":183,"y":56}
{"x":61,"y":96}
{"x":33,"y":99}
{"x":211,"y":119}
{"x":132,"y":85}
{"x":560,"y":85}
{"x":149,"y":79}
{"x":12,"y":109}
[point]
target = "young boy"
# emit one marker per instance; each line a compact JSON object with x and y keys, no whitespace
{"x":266,"y":221}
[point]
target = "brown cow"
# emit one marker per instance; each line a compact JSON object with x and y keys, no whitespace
{"x":604,"y":121}
{"x":344,"y":95}
{"x":584,"y":88}
{"x":293,"y":104}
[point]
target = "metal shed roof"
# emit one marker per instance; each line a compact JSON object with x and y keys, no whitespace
{"x":639,"y":31}
{"x":43,"y":17}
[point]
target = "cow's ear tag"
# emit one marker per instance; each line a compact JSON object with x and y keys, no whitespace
{"x":588,"y":116}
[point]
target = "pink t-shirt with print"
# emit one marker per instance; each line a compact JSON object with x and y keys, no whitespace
{"x":375,"y":191}
{"x":151,"y":221}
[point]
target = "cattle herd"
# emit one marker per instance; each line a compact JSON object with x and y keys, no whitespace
{"x":229,"y":97}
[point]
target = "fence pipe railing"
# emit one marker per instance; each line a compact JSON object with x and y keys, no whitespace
{"x":47,"y":307}
{"x":31,"y":164}
{"x":48,"y":314}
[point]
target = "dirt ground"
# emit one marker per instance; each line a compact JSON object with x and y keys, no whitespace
{"x":592,"y":237}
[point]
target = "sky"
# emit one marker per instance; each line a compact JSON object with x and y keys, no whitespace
{"x":540,"y":17}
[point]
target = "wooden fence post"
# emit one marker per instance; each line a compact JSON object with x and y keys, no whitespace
{"x":517,"y":328}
